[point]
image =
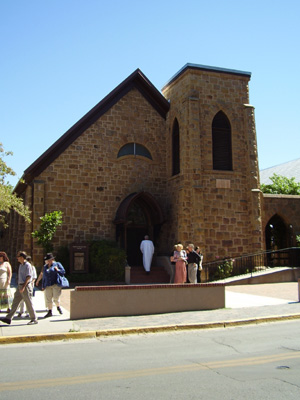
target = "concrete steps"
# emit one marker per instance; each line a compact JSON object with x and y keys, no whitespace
{"x":157,"y":275}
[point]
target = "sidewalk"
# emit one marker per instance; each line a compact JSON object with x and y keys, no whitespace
{"x":245,"y":304}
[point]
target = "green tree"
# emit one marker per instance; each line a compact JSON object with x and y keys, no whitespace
{"x":281,"y":185}
{"x":8,"y":200}
{"x":49,"y":224}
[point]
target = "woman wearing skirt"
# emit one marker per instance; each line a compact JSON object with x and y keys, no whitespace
{"x":179,"y":257}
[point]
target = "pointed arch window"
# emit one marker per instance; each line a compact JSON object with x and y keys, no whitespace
{"x":134,"y":149}
{"x":175,"y":148}
{"x":221,"y":140}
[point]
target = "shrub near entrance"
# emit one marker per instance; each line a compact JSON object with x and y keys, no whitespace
{"x":107,"y":261}
{"x":224,"y":269}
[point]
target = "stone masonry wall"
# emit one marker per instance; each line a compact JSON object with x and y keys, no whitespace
{"x":223,"y":212}
{"x":88,"y":182}
{"x":217,"y":209}
{"x":285,"y":206}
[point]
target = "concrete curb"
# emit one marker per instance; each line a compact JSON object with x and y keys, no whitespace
{"x":141,"y":330}
{"x":204,"y":325}
{"x":46,"y":337}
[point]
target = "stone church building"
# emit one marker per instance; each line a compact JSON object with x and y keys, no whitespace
{"x":180,"y":165}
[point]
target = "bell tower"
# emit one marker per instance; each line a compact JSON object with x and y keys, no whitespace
{"x":215,"y":191}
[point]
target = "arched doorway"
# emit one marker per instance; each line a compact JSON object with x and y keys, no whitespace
{"x":276,"y":233}
{"x":138,"y":215}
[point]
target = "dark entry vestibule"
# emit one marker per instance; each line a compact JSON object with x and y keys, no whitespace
{"x":138,"y":215}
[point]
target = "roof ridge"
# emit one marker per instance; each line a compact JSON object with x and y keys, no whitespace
{"x":278,"y":165}
{"x":137,"y":80}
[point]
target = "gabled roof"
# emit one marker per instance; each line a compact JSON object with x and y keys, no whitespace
{"x":136,"y":80}
{"x":290,"y":169}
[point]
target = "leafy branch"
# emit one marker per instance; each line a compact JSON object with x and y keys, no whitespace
{"x":281,"y":185}
{"x":49,"y":224}
{"x":8,"y":200}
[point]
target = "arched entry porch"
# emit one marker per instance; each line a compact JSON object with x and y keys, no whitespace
{"x":138,"y":215}
{"x":276,"y":233}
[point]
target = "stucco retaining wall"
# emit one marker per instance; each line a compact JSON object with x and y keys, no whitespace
{"x":108,"y":301}
{"x":287,"y":275}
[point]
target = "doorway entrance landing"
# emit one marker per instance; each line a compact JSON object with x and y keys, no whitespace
{"x":138,"y":215}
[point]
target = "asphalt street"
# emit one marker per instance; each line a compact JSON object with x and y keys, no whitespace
{"x":259,"y":361}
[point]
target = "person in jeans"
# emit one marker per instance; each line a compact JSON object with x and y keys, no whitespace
{"x":23,"y":292}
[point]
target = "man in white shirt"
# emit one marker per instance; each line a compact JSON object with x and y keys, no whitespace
{"x":23,"y":292}
{"x":147,"y":248}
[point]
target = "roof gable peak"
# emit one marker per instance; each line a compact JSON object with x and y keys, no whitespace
{"x":135,"y":80}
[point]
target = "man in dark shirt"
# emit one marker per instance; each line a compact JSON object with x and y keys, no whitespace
{"x":193,"y":259}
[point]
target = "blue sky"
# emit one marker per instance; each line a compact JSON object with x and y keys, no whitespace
{"x":61,"y":57}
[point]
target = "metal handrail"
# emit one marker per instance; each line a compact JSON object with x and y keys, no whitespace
{"x":250,"y":263}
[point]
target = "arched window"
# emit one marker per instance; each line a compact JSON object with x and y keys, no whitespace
{"x":175,"y":148}
{"x":134,"y":149}
{"x":221,"y":140}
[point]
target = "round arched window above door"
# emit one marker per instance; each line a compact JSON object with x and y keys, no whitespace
{"x":134,"y":149}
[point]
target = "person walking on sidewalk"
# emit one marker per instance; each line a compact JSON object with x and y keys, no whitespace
{"x":51,"y":271}
{"x":23,"y":291}
{"x":34,"y":276}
